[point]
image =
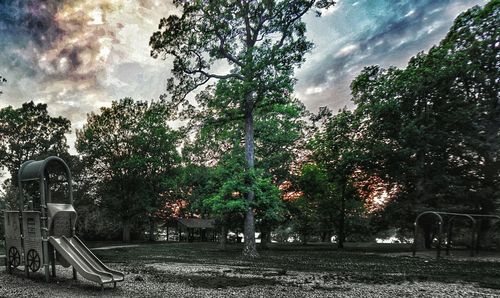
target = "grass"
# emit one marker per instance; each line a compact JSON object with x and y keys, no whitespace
{"x":356,"y":264}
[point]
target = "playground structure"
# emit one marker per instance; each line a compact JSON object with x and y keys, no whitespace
{"x":447,"y":219}
{"x":42,"y":231}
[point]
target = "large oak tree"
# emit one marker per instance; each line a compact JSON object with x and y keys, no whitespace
{"x":259,"y":43}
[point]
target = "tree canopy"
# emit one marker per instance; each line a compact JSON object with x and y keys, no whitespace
{"x":432,"y":128}
{"x":230,"y":142}
{"x":30,"y":132}
{"x":131,"y":157}
{"x":259,"y":42}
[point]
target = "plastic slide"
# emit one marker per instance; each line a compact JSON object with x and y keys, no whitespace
{"x":84,"y":261}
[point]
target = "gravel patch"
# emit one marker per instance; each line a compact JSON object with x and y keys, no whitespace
{"x":191,"y":280}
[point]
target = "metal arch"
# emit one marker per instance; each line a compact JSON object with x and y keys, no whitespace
{"x":482,"y":217}
{"x":474,"y":237}
{"x":68,"y":174}
{"x":439,"y":214}
{"x":450,"y":228}
{"x":440,"y":218}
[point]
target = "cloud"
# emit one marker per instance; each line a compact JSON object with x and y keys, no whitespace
{"x":363,"y":33}
{"x":78,"y":55}
{"x":347,"y":50}
{"x":57,"y":39}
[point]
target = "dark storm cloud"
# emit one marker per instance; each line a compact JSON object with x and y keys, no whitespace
{"x":30,"y":21}
{"x":50,"y":39}
{"x":26,"y":29}
{"x":68,"y":53}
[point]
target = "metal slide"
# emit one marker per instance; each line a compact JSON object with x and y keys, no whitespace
{"x":84,"y":261}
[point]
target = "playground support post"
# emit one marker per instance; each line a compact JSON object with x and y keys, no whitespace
{"x":45,"y":234}
{"x":52,"y":260}
{"x":440,"y":236}
{"x":448,"y":236}
{"x":473,"y":239}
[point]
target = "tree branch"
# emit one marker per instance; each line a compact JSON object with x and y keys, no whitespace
{"x":225,"y":53}
{"x":292,"y":21}
{"x":246,"y":18}
{"x":214,"y":76}
{"x":200,"y":70}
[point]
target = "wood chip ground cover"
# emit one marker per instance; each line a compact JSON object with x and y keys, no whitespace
{"x":201,"y":270}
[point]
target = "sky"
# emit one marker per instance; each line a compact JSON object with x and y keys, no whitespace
{"x":79,"y":55}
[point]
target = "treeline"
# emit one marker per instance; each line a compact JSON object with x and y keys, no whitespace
{"x":425,"y":137}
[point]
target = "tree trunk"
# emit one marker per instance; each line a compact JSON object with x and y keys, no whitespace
{"x":223,"y":238}
{"x":126,"y":232}
{"x":249,"y":249}
{"x":323,"y":236}
{"x":328,"y":237}
{"x":305,"y":237}
{"x":265,"y":237}
{"x":342,"y":218}
{"x":151,"y":229}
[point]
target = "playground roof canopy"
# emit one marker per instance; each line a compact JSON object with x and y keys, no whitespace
{"x":35,"y":169}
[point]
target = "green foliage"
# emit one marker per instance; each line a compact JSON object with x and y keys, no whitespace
{"x":30,"y":133}
{"x":9,"y":196}
{"x":305,"y":211}
{"x":261,"y":42}
{"x":268,"y":205}
{"x":130,"y":159}
{"x":280,"y":136}
{"x":229,"y":198}
{"x":431,"y":128}
{"x":219,"y":142}
{"x":329,"y":184}
{"x":279,"y":133}
{"x":221,"y":195}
